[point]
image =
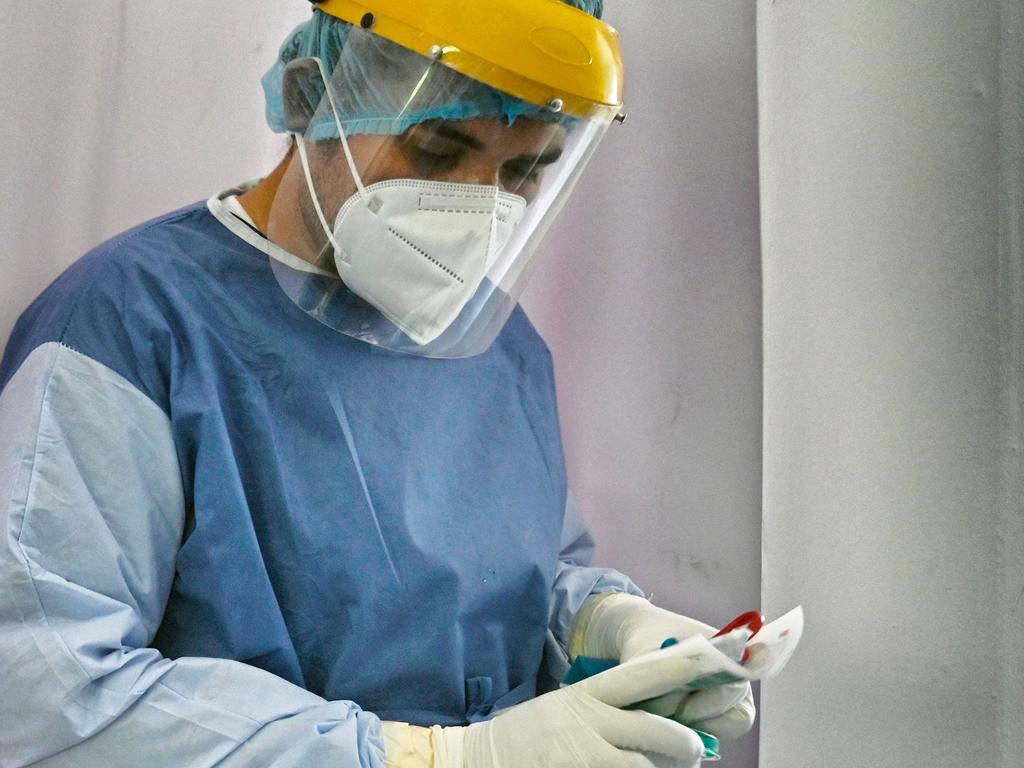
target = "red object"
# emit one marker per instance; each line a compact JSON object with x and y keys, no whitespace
{"x":753,"y":620}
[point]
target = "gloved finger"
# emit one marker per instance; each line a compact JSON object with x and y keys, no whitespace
{"x":628,"y":759}
{"x":648,"y":637}
{"x":660,"y":761}
{"x":712,"y":702}
{"x":734,"y":723}
{"x":643,"y":732}
{"x":664,"y":706}
{"x":651,"y":675}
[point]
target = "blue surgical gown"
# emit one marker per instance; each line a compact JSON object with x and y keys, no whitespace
{"x":232,"y":536}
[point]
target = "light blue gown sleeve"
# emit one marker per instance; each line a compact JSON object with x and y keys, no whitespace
{"x":91,"y":519}
{"x":575,"y":581}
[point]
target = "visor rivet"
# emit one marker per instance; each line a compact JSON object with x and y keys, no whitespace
{"x":621,"y":117}
{"x":555,"y":105}
{"x":436,"y":52}
{"x":367,"y":21}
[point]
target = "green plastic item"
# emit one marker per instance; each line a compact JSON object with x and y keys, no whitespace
{"x":710,"y":746}
{"x":587,"y":666}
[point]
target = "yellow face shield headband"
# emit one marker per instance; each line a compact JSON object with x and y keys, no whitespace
{"x":541,"y":51}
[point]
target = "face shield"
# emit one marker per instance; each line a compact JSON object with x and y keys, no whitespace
{"x":423,"y":176}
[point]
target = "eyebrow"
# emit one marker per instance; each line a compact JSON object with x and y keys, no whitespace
{"x":454,"y":134}
{"x":448,"y":132}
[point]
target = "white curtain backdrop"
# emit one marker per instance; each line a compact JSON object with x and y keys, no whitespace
{"x":649,"y":293}
{"x":650,"y":298}
{"x":119,"y":110}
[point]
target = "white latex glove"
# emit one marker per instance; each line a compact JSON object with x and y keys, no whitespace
{"x":580,"y":726}
{"x":621,"y":626}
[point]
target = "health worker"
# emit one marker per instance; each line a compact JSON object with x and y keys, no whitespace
{"x":281,"y":481}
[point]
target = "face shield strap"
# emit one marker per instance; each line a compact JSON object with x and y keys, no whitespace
{"x":341,"y":133}
{"x":312,"y":193}
{"x":348,"y":158}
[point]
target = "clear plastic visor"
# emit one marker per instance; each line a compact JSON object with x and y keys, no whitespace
{"x":414,"y":196}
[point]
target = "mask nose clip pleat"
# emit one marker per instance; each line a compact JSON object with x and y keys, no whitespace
{"x":425,"y":251}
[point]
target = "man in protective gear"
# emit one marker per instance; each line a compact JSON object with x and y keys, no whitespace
{"x":281,"y":473}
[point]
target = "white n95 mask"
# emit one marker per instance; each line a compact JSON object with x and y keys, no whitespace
{"x":417,"y":250}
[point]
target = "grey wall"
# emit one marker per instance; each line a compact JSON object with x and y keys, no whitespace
{"x":892,"y":151}
{"x":649,"y":296}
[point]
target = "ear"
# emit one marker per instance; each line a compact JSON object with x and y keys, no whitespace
{"x":302,"y":88}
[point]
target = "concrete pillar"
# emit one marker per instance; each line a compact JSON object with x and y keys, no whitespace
{"x":891,"y":199}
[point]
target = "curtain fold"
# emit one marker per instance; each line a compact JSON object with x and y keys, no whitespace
{"x":119,"y":110}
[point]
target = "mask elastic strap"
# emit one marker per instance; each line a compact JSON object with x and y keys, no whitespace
{"x":312,"y":191}
{"x":341,"y":132}
{"x":348,"y":158}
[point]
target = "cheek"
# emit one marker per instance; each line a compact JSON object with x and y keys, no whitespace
{"x":339,"y":187}
{"x":379,"y":161}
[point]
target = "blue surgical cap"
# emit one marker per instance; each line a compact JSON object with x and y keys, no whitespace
{"x":325,"y":37}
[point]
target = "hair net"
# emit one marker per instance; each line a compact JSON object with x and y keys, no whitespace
{"x":374,"y":109}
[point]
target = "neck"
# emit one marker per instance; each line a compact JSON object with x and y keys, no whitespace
{"x":258,"y":200}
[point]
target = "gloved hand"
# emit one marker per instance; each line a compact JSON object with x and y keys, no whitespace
{"x":621,"y":626}
{"x":580,"y":726}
